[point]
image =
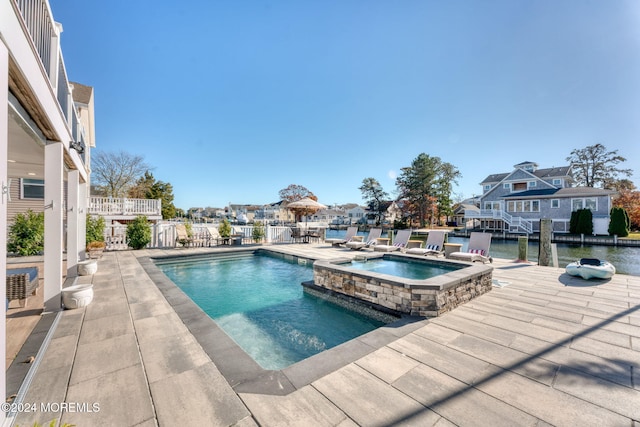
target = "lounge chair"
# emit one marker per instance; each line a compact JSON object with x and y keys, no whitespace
{"x":351,"y":232}
{"x":214,"y":236}
{"x":433,"y":246}
{"x":477,"y":250}
{"x":399,"y":242}
{"x":182,"y":236}
{"x":22,"y":283}
{"x":371,"y":240}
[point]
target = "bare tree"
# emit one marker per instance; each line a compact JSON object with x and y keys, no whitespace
{"x":115,"y":173}
{"x":594,"y":166}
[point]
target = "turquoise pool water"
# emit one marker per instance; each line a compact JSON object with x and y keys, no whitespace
{"x":260,"y":303}
{"x":417,"y":270}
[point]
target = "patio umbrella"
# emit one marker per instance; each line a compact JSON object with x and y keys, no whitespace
{"x":306,"y":204}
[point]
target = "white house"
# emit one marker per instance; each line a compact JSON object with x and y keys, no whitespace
{"x":44,"y":142}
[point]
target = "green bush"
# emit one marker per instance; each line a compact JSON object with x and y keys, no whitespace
{"x":258,"y":232}
{"x":26,"y":235}
{"x":224,"y":228}
{"x":139,"y":232}
{"x":573,"y":223}
{"x":585,"y":222}
{"x":619,"y":223}
{"x":95,"y":229}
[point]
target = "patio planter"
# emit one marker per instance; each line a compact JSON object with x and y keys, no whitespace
{"x":77,"y":296}
{"x":87,"y":267}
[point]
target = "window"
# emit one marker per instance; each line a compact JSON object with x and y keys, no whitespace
{"x":532,"y":184}
{"x":519,"y":186}
{"x":523,"y":206}
{"x":506,"y":186}
{"x":586,"y":203}
{"x":492,"y":205}
{"x":555,"y":203}
{"x":32,"y":188}
{"x":487,"y":187}
{"x":557,"y":182}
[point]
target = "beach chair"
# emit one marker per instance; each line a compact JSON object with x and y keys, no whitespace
{"x":351,"y":232}
{"x":399,"y":242}
{"x":371,"y":240}
{"x":477,"y":250}
{"x":22,"y":283}
{"x":433,"y":246}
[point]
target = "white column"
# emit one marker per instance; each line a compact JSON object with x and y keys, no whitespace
{"x":82,"y":221}
{"x":53,"y":216}
{"x":73,"y":214}
{"x":4,"y":182}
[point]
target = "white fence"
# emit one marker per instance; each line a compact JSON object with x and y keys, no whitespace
{"x":163,"y":235}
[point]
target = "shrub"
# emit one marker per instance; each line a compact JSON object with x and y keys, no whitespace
{"x":95,"y":229}
{"x":573,"y":223}
{"x":585,"y":222}
{"x":224,"y":228}
{"x":258,"y":231}
{"x":139,"y":232}
{"x":26,"y":235}
{"x":619,"y":224}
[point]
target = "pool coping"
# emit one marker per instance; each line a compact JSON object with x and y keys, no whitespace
{"x":242,"y":373}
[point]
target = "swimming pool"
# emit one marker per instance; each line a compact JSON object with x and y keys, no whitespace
{"x":258,"y":300}
{"x":407,"y":268}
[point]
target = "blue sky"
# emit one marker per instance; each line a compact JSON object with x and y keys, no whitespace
{"x":232,"y":101}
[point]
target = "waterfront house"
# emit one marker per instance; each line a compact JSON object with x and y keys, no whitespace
{"x":516,"y":201}
{"x":45,"y":141}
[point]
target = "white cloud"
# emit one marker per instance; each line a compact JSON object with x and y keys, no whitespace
{"x":392,"y":174}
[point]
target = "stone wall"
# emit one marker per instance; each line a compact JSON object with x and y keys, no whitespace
{"x":430,"y":297}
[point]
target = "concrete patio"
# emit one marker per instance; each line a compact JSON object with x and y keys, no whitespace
{"x":543,"y":349}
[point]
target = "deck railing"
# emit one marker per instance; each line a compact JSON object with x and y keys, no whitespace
{"x":515,"y":223}
{"x":39,"y":22}
{"x":164,"y":235}
{"x":124,"y":206}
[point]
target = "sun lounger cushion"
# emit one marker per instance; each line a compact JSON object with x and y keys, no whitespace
{"x":433,"y":247}
{"x":477,"y":251}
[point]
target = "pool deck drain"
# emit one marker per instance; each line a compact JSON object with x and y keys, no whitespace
{"x":548,"y":348}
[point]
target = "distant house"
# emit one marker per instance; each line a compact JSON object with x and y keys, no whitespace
{"x":516,"y":201}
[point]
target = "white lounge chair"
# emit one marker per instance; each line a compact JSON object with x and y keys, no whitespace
{"x":371,"y":240}
{"x":433,"y":246}
{"x":400,"y":241}
{"x":351,"y":232}
{"x":477,"y":250}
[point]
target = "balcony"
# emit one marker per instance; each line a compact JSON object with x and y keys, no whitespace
{"x":125,"y":209}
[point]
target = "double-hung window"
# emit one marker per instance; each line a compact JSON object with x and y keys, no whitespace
{"x":31,"y":188}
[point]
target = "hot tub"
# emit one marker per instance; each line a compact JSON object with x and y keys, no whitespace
{"x":458,"y":283}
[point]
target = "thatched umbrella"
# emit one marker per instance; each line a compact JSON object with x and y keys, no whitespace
{"x":306,"y":205}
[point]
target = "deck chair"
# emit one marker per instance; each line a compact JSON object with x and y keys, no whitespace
{"x":433,"y":246}
{"x":351,"y":232}
{"x":214,"y":235}
{"x":22,"y":283}
{"x":399,"y":242}
{"x":182,"y":235}
{"x":477,"y":250}
{"x":371,"y":240}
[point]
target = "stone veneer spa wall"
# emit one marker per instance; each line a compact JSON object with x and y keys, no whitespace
{"x":429,"y":297}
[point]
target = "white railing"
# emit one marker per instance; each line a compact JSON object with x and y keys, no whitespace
{"x":38,"y":19}
{"x":130,"y":207}
{"x":164,"y":235}
{"x":517,"y":223}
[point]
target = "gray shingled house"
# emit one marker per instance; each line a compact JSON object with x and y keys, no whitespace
{"x":516,"y":201}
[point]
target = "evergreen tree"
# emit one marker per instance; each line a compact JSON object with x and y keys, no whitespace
{"x":619,"y":224}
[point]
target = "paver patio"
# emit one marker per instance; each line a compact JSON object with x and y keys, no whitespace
{"x":545,"y":348}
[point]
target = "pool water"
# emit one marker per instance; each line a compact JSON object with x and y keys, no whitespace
{"x":260,"y":303}
{"x":417,"y":270}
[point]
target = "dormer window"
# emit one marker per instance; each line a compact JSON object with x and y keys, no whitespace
{"x":519,"y":186}
{"x":557,"y":182}
{"x":532,"y":184}
{"x":487,"y":187}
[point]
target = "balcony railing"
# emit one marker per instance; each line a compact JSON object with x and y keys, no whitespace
{"x":109,"y":206}
{"x":39,"y":22}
